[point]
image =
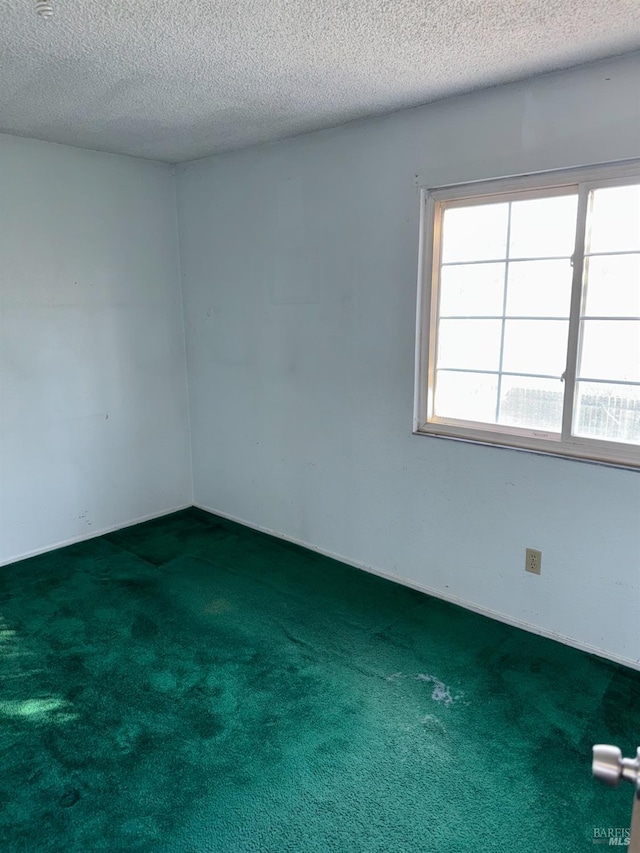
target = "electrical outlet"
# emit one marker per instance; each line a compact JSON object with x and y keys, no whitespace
{"x":533,"y":561}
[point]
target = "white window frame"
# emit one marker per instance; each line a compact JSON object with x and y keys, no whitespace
{"x":435,"y":200}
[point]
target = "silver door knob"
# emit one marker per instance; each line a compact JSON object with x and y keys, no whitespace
{"x":610,"y":767}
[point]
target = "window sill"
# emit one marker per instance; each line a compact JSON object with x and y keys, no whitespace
{"x":531,"y":444}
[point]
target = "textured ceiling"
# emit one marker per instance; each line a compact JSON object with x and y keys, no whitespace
{"x":175,"y":80}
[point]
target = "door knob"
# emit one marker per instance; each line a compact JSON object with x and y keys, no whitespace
{"x":610,"y":767}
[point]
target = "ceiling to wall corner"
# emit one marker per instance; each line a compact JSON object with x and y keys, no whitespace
{"x":176,"y":80}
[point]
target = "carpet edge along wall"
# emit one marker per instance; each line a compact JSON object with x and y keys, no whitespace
{"x":95,"y":534}
{"x":588,"y":648}
{"x":631,"y":663}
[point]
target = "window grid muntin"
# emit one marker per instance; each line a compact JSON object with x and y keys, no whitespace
{"x":505,"y":284}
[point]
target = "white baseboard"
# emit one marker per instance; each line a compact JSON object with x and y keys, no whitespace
{"x":444,"y":596}
{"x":92,"y":535}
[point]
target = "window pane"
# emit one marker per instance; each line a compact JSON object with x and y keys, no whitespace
{"x":610,"y":350}
{"x":467,"y":396}
{"x":472,"y":344}
{"x":612,"y":285}
{"x":473,"y":290}
{"x":608,"y":411}
{"x":543,"y":227}
{"x":539,"y":288}
{"x":531,"y":403}
{"x":535,"y":346}
{"x":475,"y":233}
{"x":614,"y":219}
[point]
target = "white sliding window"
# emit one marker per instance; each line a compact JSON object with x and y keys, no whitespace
{"x":529,"y":313}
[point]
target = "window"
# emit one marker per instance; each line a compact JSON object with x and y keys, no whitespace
{"x":529,"y":313}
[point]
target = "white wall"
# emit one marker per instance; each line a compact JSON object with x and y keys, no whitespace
{"x":299,"y":264}
{"x":93,"y":396}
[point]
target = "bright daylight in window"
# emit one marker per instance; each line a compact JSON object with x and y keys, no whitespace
{"x":529,"y":313}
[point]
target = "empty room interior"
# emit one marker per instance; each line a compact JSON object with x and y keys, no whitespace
{"x":319,"y":426}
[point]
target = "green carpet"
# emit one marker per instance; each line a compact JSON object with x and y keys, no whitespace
{"x":189,"y":685}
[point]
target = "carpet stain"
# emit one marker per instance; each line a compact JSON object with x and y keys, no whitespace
{"x":217,"y":606}
{"x":189,"y":685}
{"x":440,"y":692}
